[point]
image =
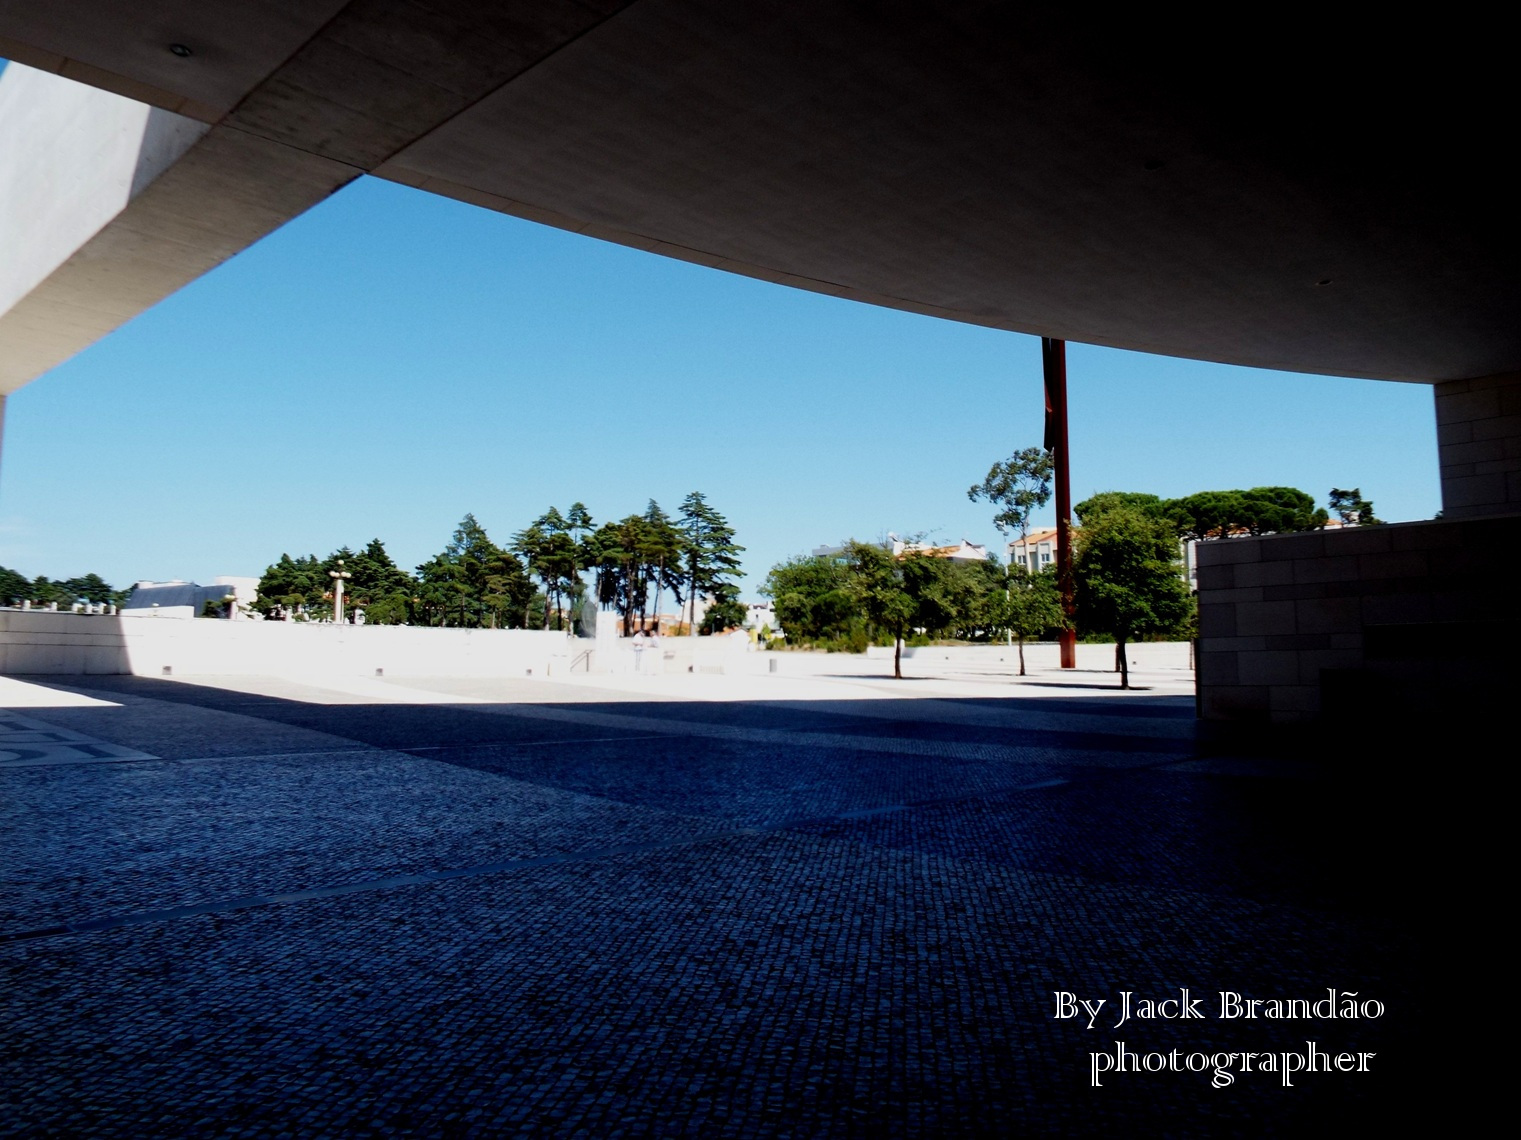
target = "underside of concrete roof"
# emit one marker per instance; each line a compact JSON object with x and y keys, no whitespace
{"x":1317,"y":199}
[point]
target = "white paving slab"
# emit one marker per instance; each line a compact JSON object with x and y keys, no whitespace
{"x":26,"y":742}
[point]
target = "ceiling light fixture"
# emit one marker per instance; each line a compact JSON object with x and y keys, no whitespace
{"x":180,"y":50}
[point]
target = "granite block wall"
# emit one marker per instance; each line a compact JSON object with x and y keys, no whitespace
{"x":1403,"y":616}
{"x":1479,"y":445}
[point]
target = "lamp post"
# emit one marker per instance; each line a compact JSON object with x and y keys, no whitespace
{"x":339,"y":576}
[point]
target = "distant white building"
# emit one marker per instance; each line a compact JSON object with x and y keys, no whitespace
{"x":759,"y":615}
{"x":181,"y":599}
{"x":1035,"y":552}
{"x":962,"y":551}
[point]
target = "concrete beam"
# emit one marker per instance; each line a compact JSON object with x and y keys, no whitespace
{"x":119,"y":206}
{"x":74,"y":158}
{"x":116,"y":204}
{"x":124,"y":48}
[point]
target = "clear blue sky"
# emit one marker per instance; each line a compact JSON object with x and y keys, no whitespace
{"x":391,"y":360}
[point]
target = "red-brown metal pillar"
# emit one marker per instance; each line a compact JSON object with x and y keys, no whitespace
{"x":1053,"y":355}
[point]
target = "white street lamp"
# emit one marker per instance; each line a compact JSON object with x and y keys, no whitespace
{"x":339,"y":576}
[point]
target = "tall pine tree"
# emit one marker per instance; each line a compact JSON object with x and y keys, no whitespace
{"x":712,"y":555}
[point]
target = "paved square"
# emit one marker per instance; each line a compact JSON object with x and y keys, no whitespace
{"x":446,"y":908}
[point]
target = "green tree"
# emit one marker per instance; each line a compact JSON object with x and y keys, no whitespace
{"x":1280,"y":510}
{"x":1260,"y":510}
{"x":812,"y":598}
{"x":531,"y":545}
{"x":602,"y":555}
{"x":711,"y":552}
{"x":1018,"y":486}
{"x":474,"y":582}
{"x":443,"y":592}
{"x":661,"y":550}
{"x":932,"y":585}
{"x":579,"y":521}
{"x":1029,"y":606}
{"x":1352,"y":509}
{"x":91,"y":588}
{"x":45,"y":591}
{"x":618,"y":553}
{"x":973,"y":590}
{"x":1128,"y":578}
{"x":549,"y":548}
{"x":1095,"y":505}
{"x":379,"y":587}
{"x":633,"y":579}
{"x":724,"y":612}
{"x":292,"y":588}
{"x":505,"y":591}
{"x":876,"y":579}
{"x":1208,"y":514}
{"x":15,"y":588}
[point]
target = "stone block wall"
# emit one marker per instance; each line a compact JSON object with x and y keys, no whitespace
{"x":1404,"y":616}
{"x":1479,"y":445}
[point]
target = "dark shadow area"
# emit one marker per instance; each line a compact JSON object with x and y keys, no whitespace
{"x":1120,"y":806}
{"x":1074,"y":685}
{"x":716,"y":918}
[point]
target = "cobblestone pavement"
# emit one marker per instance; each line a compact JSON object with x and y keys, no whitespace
{"x":267,"y":910}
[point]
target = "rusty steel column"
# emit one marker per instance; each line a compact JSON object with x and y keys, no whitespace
{"x":1053,"y":355}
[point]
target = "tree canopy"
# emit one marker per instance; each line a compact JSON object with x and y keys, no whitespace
{"x":865,"y":592}
{"x":1029,"y":605}
{"x":711,"y":554}
{"x":1128,"y":578}
{"x":16,"y":588}
{"x":1017,"y":486}
{"x":878,"y":582}
{"x":1260,"y":510}
{"x":379,"y":587}
{"x":1216,"y":514}
{"x":293,"y":587}
{"x":812,"y":598}
{"x":549,"y":548}
{"x":473,"y":582}
{"x":1095,"y":505}
{"x":1352,"y":509}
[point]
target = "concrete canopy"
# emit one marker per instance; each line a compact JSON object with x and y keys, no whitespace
{"x":1290,"y":197}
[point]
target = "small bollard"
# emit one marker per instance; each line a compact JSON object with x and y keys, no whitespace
{"x":773,"y":665}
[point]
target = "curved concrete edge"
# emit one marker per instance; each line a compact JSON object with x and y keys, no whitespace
{"x":147,"y":209}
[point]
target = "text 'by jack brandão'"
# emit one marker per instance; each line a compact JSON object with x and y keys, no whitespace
{"x":1222,"y":1068}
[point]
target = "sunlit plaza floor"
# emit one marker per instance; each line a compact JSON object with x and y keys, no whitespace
{"x":815,"y":903}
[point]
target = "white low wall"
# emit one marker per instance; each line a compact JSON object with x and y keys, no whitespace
{"x":36,"y":641}
{"x":725,"y":654}
{"x":66,"y":643}
{"x":1047,"y":654}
